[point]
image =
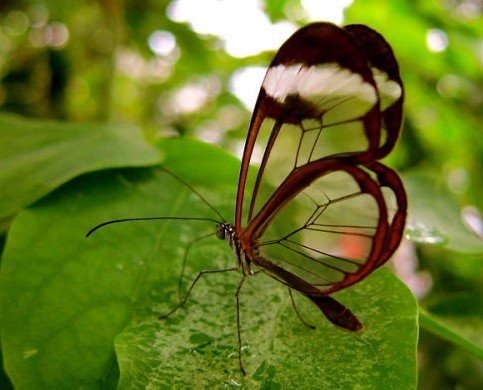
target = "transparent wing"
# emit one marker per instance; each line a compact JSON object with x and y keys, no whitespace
{"x":385,"y":70}
{"x":318,"y":99}
{"x":348,"y":221}
{"x":330,"y":106}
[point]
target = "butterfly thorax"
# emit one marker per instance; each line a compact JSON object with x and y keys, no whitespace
{"x":226,"y":231}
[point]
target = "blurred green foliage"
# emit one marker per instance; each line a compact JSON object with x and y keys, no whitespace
{"x":91,"y":61}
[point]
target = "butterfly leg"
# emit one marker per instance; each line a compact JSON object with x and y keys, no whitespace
{"x":186,"y":296}
{"x":185,"y":259}
{"x":297,"y":312}
{"x":237,"y":296}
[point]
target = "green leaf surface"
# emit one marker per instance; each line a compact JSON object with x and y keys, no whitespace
{"x":198,"y":345}
{"x":38,"y":156}
{"x":66,"y":300}
{"x":435,"y":217}
{"x":458,"y":319}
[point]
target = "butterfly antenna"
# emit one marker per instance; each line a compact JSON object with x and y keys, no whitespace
{"x":186,"y":184}
{"x":114,"y":221}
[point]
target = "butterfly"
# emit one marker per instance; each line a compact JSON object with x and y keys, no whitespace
{"x":329,"y":108}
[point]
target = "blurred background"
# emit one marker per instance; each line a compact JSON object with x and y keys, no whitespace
{"x":194,"y":67}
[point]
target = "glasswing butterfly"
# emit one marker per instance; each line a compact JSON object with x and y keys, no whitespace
{"x":329,"y":108}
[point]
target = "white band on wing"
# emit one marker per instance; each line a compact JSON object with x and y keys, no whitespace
{"x":389,"y":90}
{"x":316,"y":82}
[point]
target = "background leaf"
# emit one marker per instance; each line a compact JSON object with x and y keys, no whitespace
{"x":64,"y":298}
{"x":37,"y":157}
{"x":431,"y":207}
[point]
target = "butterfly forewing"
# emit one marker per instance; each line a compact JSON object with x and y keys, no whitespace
{"x":318,"y":98}
{"x":385,"y":70}
{"x":297,"y":145}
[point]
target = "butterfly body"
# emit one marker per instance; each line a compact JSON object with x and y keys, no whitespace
{"x":248,"y":254}
{"x":244,"y":251}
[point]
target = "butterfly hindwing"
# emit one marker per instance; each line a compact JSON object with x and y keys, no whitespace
{"x":341,"y":229}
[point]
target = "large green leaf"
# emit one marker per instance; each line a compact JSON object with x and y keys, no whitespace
{"x":65,"y":299}
{"x":38,"y":156}
{"x":198,"y":345}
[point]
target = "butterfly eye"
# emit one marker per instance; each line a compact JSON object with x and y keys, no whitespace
{"x":220,"y":231}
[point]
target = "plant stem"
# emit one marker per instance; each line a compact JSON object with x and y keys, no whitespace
{"x":434,"y":326}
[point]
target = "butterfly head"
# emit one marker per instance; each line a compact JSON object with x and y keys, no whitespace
{"x":224,"y":230}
